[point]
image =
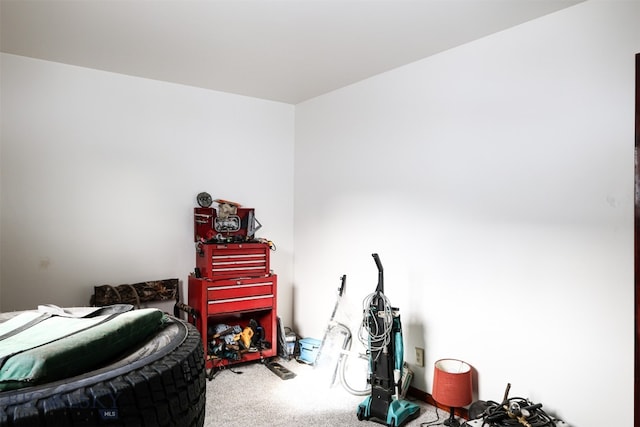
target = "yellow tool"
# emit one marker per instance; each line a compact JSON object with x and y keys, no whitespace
{"x":245,"y":337}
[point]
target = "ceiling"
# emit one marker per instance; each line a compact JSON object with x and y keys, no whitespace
{"x":281,"y":50}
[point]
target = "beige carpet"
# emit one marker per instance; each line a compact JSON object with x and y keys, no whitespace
{"x":257,"y":397}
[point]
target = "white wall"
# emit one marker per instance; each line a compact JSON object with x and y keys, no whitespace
{"x":100,"y":173}
{"x":495,"y":180}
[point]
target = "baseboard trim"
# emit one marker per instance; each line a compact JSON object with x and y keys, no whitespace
{"x":426,"y":397}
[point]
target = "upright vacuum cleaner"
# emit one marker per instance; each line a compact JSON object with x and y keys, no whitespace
{"x":386,"y":352}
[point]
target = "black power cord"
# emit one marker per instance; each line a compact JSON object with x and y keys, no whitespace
{"x":516,"y":411}
{"x":432,"y":422}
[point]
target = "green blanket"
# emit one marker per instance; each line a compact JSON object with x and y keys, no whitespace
{"x":38,"y":347}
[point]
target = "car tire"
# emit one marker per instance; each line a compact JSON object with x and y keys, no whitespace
{"x":160,"y":383}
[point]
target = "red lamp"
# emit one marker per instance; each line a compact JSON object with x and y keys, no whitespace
{"x":452,"y":386}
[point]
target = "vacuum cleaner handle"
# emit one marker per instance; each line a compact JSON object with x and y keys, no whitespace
{"x":343,"y":283}
{"x":380,"y":287}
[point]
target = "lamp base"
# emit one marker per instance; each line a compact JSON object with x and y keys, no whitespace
{"x":451,"y":421}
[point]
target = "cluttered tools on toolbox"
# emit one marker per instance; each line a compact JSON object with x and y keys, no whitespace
{"x":230,"y":222}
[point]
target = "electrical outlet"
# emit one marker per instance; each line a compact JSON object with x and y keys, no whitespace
{"x":420,"y":356}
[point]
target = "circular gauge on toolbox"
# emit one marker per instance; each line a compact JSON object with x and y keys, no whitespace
{"x":204,"y":199}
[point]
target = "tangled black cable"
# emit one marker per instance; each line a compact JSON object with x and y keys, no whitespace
{"x":516,"y":411}
{"x":432,"y":422}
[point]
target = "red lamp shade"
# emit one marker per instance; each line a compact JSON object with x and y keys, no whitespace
{"x":452,"y":383}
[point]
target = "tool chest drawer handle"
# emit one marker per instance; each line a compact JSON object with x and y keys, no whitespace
{"x":248,"y":285}
{"x":225,"y":301}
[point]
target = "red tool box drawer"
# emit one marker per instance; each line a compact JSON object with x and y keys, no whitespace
{"x":222,"y":296}
{"x":220,"y":261}
{"x":240,"y":304}
{"x":239,"y":290}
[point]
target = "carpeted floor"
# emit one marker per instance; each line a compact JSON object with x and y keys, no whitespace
{"x":250,"y":395}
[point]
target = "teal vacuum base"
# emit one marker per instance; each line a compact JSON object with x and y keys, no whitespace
{"x":399,"y":412}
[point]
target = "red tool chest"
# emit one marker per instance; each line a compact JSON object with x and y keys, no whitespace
{"x":236,"y":301}
{"x":224,"y":261}
{"x":232,"y":288}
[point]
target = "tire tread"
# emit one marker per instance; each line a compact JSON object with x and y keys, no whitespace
{"x":167,"y":392}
